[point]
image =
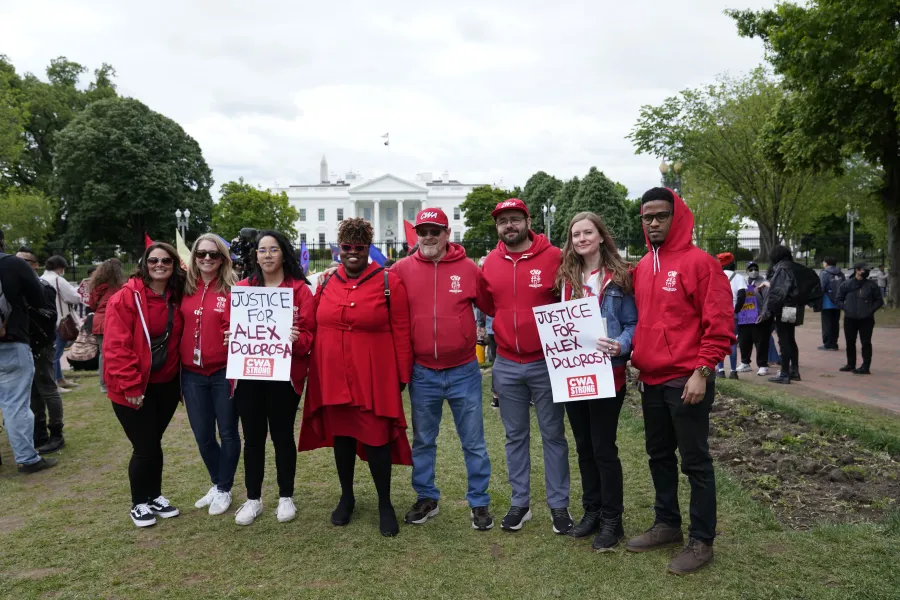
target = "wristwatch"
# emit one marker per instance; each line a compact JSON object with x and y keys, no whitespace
{"x":704,"y":371}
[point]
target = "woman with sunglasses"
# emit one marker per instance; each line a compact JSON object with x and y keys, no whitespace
{"x":361,"y":361}
{"x":207,"y":394}
{"x":271,"y":406}
{"x":142,"y":331}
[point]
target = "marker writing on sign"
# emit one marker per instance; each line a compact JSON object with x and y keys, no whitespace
{"x":563,"y":351}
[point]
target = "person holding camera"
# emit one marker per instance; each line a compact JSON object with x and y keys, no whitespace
{"x":141,"y":369}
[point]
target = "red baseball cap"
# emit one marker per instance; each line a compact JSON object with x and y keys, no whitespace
{"x":511,"y":204}
{"x":725,"y":259}
{"x":432,"y":216}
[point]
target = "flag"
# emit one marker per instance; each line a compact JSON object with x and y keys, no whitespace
{"x":147,"y":241}
{"x":376,"y":255}
{"x":411,"y":238}
{"x":304,"y":256}
{"x":387,"y":139}
{"x":183,"y":252}
{"x":335,"y":253}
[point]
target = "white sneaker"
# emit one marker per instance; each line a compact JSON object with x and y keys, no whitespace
{"x":286,"y":510}
{"x":743,"y":368}
{"x":207,"y":499}
{"x":763,"y":371}
{"x":248,"y":512}
{"x":220,"y":503}
{"x":62,"y":390}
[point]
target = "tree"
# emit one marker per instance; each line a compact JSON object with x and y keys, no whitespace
{"x":13,"y":116}
{"x":563,"y":199}
{"x":718,"y":131}
{"x":840,"y":62}
{"x":713,"y":206}
{"x":539,"y":191}
{"x":599,"y":194}
{"x":477,"y":209}
{"x":242,"y":205}
{"x":26,"y":217}
{"x":122,"y":169}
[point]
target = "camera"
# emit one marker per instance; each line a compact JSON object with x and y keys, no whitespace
{"x":244,"y":248}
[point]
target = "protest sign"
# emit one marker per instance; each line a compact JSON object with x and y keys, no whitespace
{"x":259,"y":346}
{"x":569,"y":333}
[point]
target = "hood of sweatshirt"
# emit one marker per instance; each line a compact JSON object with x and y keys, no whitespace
{"x":680,"y":234}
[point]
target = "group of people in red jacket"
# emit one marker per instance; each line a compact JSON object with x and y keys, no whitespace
{"x":368,"y":333}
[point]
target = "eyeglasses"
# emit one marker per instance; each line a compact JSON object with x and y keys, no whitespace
{"x":273,"y":250}
{"x":353,"y":247}
{"x":661,"y":217}
{"x":211,"y":254}
{"x":429,"y":232}
{"x":510,"y":221}
{"x":154,"y":260}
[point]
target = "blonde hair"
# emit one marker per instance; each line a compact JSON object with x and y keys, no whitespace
{"x":572,"y":265}
{"x":226,"y":275}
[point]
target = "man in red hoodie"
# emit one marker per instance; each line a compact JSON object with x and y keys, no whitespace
{"x":685,"y":327}
{"x":520,"y":273}
{"x":447,"y":284}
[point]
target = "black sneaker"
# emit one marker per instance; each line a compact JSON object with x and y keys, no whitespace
{"x":847,"y":369}
{"x":782,"y":378}
{"x":53,"y":445}
{"x":162,"y":508}
{"x":862,"y":371}
{"x":341,"y":515}
{"x":482,"y":519}
{"x":142,"y":516}
{"x":43,"y":463}
{"x":562,"y":520}
{"x":611,"y":533}
{"x":515,"y":518}
{"x":588,"y":525}
{"x":422,"y":510}
{"x":795,"y":376}
{"x":733,"y":375}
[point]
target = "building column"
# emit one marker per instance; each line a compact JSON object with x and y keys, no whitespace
{"x":376,"y":219}
{"x":401,"y":228}
{"x":352,"y":214}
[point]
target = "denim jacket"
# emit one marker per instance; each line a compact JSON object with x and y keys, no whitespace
{"x":621,"y":316}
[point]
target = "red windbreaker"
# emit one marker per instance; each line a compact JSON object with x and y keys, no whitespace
{"x":98,"y":300}
{"x":685,"y":310}
{"x":440,"y":309}
{"x":205,"y":325}
{"x":516,"y":287}
{"x":126,"y":349}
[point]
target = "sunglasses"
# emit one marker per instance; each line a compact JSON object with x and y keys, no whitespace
{"x":660,"y":217}
{"x":213,"y":254}
{"x":153,"y":260}
{"x":353,"y":247}
{"x":424,"y":232}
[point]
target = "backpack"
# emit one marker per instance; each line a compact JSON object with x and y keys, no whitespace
{"x":84,"y":354}
{"x":833,"y":285}
{"x":5,"y":307}
{"x":42,"y":320}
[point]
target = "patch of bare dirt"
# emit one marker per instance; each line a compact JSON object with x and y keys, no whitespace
{"x":36,"y":574}
{"x":10,"y":523}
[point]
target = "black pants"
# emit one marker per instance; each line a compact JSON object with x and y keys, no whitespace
{"x":831,"y":327}
{"x":145,"y":427}
{"x":45,"y":398}
{"x":671,"y":424}
{"x":264,"y":407}
{"x":594,"y":424}
{"x":787,"y":341}
{"x":864,"y":327}
{"x":757,"y":335}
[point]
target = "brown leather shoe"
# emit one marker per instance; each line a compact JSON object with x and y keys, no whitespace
{"x":658,"y":536}
{"x":694,"y":556}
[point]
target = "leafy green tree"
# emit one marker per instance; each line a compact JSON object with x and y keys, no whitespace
{"x":26,"y":217}
{"x":713,"y":206}
{"x":13,"y":116}
{"x":596,"y":193}
{"x":242,"y":205}
{"x":563,"y":200}
{"x":122,"y":169}
{"x":477,"y":209}
{"x":840,"y":62}
{"x":539,"y":190}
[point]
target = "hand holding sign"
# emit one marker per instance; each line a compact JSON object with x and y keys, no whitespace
{"x":262,"y":331}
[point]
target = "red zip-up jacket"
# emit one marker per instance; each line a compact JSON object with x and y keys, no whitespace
{"x":126,"y":349}
{"x":517,"y":286}
{"x":685,"y":310}
{"x":205,"y":326}
{"x":441,"y":295}
{"x":304,"y":320}
{"x":98,"y":300}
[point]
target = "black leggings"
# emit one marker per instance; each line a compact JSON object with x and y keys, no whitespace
{"x":755,"y":335}
{"x":379,"y":458}
{"x":787,"y":340}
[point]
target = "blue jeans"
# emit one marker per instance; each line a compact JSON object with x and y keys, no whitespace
{"x":734,"y":349}
{"x":60,"y":349}
{"x":461,"y":386}
{"x":16,"y":373}
{"x":208,"y":401}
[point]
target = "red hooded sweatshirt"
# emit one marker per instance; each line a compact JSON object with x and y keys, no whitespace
{"x":126,"y":349}
{"x":518,"y":285}
{"x":98,"y":300}
{"x":685,"y":310}
{"x":205,"y":326}
{"x":441,"y":295}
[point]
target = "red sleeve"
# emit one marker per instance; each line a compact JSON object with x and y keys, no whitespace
{"x":305,"y":320}
{"x":119,"y":358}
{"x":712,"y":300}
{"x":484,"y":301}
{"x":93,"y":300}
{"x":400,"y":327}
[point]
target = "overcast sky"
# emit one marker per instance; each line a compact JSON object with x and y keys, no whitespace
{"x":489,"y":91}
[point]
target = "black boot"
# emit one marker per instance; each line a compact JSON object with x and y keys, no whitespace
{"x":863,"y":370}
{"x":611,"y":533}
{"x":588,"y":525}
{"x":782,"y":378}
{"x":53,"y":445}
{"x":795,"y":375}
{"x":387,"y":521}
{"x":341,"y":514}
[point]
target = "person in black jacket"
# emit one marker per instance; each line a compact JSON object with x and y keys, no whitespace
{"x":781,"y":304}
{"x":860,"y":298}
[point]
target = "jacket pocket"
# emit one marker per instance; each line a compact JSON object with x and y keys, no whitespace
{"x":651,"y":348}
{"x":450,"y":337}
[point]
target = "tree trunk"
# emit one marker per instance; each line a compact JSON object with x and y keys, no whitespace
{"x":768,"y":239}
{"x":890,"y":197}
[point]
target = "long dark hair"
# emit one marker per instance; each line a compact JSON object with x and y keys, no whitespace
{"x":290,"y":261}
{"x":778,"y":254}
{"x":176,"y":280}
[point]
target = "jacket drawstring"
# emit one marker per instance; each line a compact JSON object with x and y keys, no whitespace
{"x":657,"y":266}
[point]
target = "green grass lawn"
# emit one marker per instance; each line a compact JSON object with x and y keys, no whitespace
{"x":65,"y":533}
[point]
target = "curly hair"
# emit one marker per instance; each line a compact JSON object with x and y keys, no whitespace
{"x":570,"y":271}
{"x":355,"y":231}
{"x":111,"y":272}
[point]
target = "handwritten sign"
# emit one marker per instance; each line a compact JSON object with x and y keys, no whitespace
{"x":259,"y":346}
{"x":569,"y":333}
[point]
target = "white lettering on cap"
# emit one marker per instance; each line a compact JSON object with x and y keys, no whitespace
{"x":429,"y":215}
{"x":508,"y":203}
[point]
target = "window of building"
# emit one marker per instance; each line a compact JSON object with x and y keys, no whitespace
{"x":302,"y":238}
{"x":390,"y":214}
{"x":456,"y":237}
{"x":456,"y":213}
{"x":367,"y":214}
{"x":302,"y":214}
{"x":410,"y":214}
{"x":321,"y":239}
{"x":321,"y":214}
{"x":340,"y":214}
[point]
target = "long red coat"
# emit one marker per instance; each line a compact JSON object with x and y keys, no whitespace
{"x":360,"y":356}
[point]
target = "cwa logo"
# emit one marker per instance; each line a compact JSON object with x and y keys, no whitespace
{"x":258,"y":367}
{"x":429,"y":215}
{"x":582,"y":386}
{"x":535,"y":278}
{"x":455,"y":285}
{"x":670,"y":282}
{"x":509,"y":203}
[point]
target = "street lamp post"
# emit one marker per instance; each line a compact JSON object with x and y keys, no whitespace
{"x":852,"y":217}
{"x":549,"y":216}
{"x":182,"y":219}
{"x":676,"y":177}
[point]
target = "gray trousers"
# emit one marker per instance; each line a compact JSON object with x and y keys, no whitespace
{"x":45,"y":398}
{"x":516,"y":384}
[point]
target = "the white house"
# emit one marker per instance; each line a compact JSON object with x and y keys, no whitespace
{"x":385,"y":201}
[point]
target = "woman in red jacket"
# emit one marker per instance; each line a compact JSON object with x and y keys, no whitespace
{"x":106,"y":281}
{"x":141,"y":335}
{"x":272,"y":405}
{"x":361,"y":361}
{"x":207,"y":394}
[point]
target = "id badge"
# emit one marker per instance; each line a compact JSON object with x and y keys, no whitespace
{"x":197,"y":357}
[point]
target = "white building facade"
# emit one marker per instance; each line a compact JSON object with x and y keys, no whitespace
{"x":386,"y":202}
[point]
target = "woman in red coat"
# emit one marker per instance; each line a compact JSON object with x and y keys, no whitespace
{"x":141,"y":368}
{"x":361,"y":362}
{"x":106,"y":281}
